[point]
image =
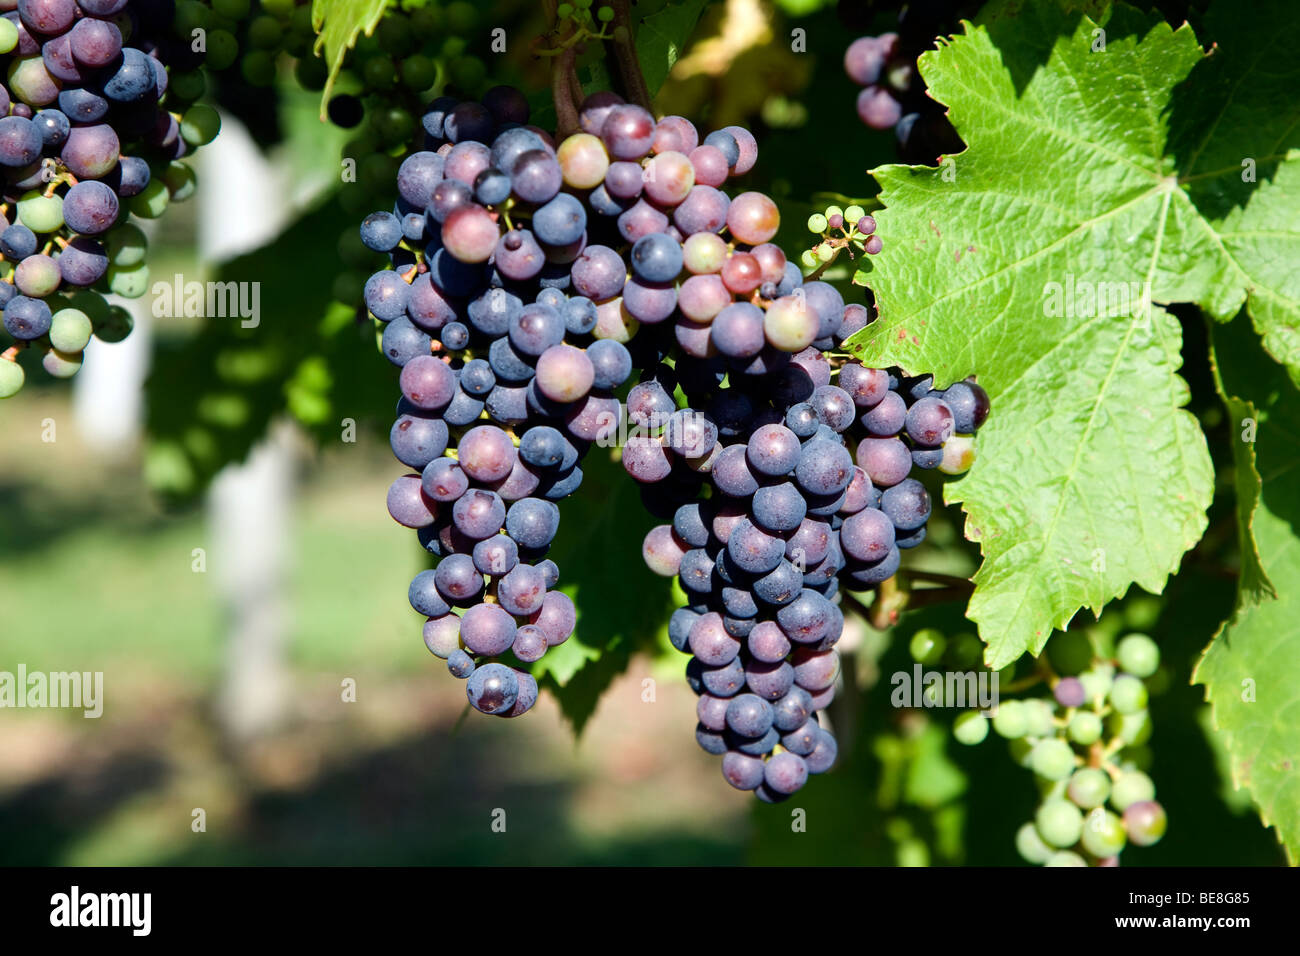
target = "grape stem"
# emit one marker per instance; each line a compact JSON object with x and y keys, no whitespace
{"x":562,"y":82}
{"x":625,"y":58}
{"x":933,"y":577}
{"x":10,"y":354}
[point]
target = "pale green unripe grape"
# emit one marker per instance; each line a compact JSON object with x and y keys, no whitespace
{"x":927,"y":645}
{"x":223,"y":49}
{"x":190,"y":16}
{"x":1097,"y":680}
{"x":234,"y":9}
{"x":1089,"y":787}
{"x":1031,"y":846}
{"x":1052,"y":758}
{"x":965,"y":650}
{"x":817,"y":223}
{"x":200,"y":125}
{"x":1066,"y":858}
{"x":264,"y":32}
{"x":564,"y":11}
{"x":809,"y":259}
{"x":1038,"y":718}
{"x":605,"y":14}
{"x":62,"y":364}
{"x":126,"y":245}
{"x":188,"y":85}
{"x":1131,"y":786}
{"x":70,"y":330}
{"x":1128,"y":694}
{"x":129,"y":283}
{"x":1021,"y":750}
{"x":958,"y":455}
{"x":258,"y":68}
{"x":1130,"y":728}
{"x":853,"y":213}
{"x":30,"y":82}
{"x":1070,"y":652}
{"x":834,"y":211}
{"x":1085,"y":728}
{"x":704,"y":253}
{"x":115,"y":326}
{"x":280,"y":9}
{"x":8,"y":36}
{"x":1138,"y":655}
{"x":970,"y":728}
{"x":825,"y":252}
{"x":151,"y":202}
{"x":180,"y":181}
{"x":1103,"y":833}
{"x":40,"y":213}
{"x":1145,"y":822}
{"x":1059,"y":822}
{"x":1010,"y":720}
{"x":11,"y":377}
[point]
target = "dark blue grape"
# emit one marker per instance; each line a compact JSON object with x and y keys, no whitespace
{"x":381,"y":231}
{"x":454,"y":335}
{"x":561,"y":221}
{"x":402,"y":341}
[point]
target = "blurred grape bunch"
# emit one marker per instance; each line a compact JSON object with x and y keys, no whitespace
{"x":98,"y":110}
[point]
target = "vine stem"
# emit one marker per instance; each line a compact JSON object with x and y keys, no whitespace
{"x":629,"y":67}
{"x":10,"y":354}
{"x":563,"y":78}
{"x":933,"y":577}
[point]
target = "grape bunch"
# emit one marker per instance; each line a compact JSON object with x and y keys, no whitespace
{"x":529,"y":281}
{"x":92,"y":132}
{"x":848,"y":229}
{"x":808,"y":491}
{"x":1083,"y":746}
{"x":893,"y":95}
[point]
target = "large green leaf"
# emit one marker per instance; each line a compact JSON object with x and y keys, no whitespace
{"x":1236,"y":143}
{"x":1091,"y":476}
{"x":1251,"y":671}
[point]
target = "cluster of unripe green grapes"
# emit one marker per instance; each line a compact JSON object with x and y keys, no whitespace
{"x":247,"y":36}
{"x":839,"y":229}
{"x":1084,"y":745}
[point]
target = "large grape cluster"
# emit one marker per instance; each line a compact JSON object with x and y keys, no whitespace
{"x":529,"y":281}
{"x":1082,"y":745}
{"x":91,"y":132}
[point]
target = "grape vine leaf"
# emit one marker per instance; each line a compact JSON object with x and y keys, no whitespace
{"x":661,"y":38}
{"x":211,"y":396}
{"x":1251,"y":670}
{"x":1254,"y":585}
{"x":621,"y":604}
{"x":1034,"y":259}
{"x":338,"y":23}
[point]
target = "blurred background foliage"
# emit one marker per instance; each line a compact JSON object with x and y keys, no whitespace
{"x":96,"y":570}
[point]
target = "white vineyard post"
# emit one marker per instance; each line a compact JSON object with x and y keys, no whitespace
{"x":243,"y":205}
